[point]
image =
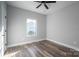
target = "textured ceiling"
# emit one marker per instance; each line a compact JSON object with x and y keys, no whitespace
{"x":30,"y":5}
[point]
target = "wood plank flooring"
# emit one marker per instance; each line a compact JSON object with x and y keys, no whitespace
{"x":43,"y":48}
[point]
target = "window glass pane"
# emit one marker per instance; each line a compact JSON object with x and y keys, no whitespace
{"x":31,"y":27}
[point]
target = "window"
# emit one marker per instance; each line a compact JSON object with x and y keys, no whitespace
{"x":31,"y":27}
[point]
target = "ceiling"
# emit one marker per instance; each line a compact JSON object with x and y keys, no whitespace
{"x":30,"y":5}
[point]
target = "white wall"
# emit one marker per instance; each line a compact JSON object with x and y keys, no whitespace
{"x":63,"y":26}
{"x":17,"y":25}
{"x":0,"y":17}
{"x":2,"y":27}
{"x":1,"y":38}
{"x":4,"y":13}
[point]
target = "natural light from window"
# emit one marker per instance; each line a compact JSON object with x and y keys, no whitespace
{"x":31,"y":27}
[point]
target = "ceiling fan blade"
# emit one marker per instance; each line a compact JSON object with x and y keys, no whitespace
{"x":46,"y":6}
{"x":50,"y":1}
{"x":39,"y":5}
{"x":46,"y":1}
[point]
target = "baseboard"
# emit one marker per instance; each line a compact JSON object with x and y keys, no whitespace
{"x":41,"y":40}
{"x":69,"y":46}
{"x":24,"y":43}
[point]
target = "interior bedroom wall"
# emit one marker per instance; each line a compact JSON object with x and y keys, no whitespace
{"x":0,"y":17}
{"x":0,"y":26}
{"x":17,"y":25}
{"x":63,"y":26}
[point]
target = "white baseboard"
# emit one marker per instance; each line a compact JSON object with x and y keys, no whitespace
{"x":66,"y":45}
{"x":24,"y":43}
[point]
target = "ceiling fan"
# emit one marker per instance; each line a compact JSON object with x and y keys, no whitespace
{"x":44,"y":3}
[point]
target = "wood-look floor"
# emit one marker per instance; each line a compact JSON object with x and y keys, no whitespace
{"x":41,"y":49}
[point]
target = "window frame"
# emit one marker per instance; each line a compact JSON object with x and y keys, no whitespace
{"x":35,"y":33}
